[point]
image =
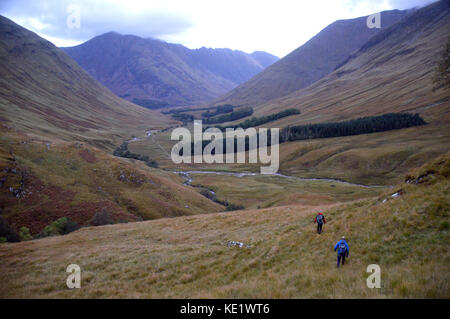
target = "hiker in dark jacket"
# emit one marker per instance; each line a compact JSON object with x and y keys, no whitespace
{"x":342,"y":250}
{"x":320,"y":220}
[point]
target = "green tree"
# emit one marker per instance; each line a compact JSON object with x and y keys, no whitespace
{"x":60,"y":226}
{"x":25,"y":234}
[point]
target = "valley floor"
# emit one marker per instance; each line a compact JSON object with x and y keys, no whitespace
{"x":370,"y":159}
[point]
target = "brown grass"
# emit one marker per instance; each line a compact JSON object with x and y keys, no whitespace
{"x":60,"y":179}
{"x":188,"y":257}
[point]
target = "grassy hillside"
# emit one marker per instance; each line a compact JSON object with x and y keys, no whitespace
{"x":188,"y":257}
{"x":381,"y":158}
{"x":42,"y":181}
{"x":310,"y":62}
{"x":393,"y":72}
{"x":44,"y":92}
{"x":58,"y":129}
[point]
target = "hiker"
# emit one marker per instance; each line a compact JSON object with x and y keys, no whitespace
{"x":342,"y":250}
{"x":320,"y":220}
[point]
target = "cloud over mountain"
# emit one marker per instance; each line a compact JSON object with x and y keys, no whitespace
{"x":96,"y":17}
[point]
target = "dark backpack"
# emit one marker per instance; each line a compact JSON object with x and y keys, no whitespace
{"x":319,"y":219}
{"x":342,"y":248}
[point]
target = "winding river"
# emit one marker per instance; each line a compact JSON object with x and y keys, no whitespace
{"x":188,"y":177}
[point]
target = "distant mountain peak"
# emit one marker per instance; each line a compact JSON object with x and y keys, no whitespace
{"x":140,"y":69}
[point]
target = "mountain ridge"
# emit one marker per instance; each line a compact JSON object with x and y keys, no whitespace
{"x":310,"y":62}
{"x":44,"y":91}
{"x":138,"y":68}
{"x":405,"y":53}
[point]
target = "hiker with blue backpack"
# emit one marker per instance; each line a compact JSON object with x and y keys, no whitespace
{"x":342,"y":250}
{"x":320,"y":220}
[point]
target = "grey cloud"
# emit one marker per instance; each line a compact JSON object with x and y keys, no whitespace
{"x":395,"y":4}
{"x":97,"y":17}
{"x":408,"y":4}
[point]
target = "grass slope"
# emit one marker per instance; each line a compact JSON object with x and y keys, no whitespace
{"x":381,"y":158}
{"x":44,"y":92}
{"x":50,"y":180}
{"x":393,"y":72}
{"x":56,"y":124}
{"x":310,"y":62}
{"x":188,"y":257}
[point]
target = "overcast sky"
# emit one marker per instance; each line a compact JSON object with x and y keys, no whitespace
{"x":276,"y":26}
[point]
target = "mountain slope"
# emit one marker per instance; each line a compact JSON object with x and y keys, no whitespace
{"x":188,"y":257}
{"x":42,"y":90}
{"x":310,"y":62}
{"x":265,"y":59}
{"x":392,"y":72}
{"x":58,"y":127}
{"x":41,"y":182}
{"x":148,"y":69}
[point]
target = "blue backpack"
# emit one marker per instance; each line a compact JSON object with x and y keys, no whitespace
{"x":342,"y":248}
{"x":319,"y":219}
